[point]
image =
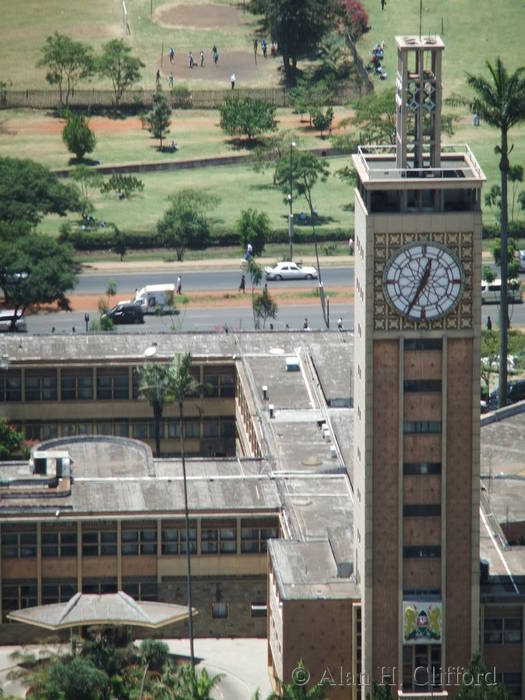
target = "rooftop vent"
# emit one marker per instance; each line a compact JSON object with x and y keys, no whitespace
{"x":292,"y":364}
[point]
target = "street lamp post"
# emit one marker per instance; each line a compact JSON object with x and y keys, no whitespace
{"x":290,"y":202}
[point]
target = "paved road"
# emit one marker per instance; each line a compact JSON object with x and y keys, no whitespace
{"x":199,"y":280}
{"x":212,"y":319}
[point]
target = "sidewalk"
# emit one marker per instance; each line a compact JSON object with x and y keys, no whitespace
{"x":116,"y":267}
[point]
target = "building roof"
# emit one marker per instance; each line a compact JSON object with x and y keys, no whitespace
{"x":84,"y":610}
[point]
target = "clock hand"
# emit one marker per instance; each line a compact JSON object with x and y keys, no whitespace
{"x":421,"y":286}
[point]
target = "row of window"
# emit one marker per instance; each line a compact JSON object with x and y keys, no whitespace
{"x":422,"y":510}
{"x":422,"y":426}
{"x":422,"y":385}
{"x":16,"y":595}
{"x":86,"y":384}
{"x":421,"y":468}
{"x":503,"y":630}
{"x":422,"y":552}
{"x":215,"y":539}
{"x":139,"y":429}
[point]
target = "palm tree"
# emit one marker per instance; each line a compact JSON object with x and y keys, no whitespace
{"x":500,"y":101}
{"x":300,"y":688}
{"x":154,"y":385}
{"x":182,"y":384}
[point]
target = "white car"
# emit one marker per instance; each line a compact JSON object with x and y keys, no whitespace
{"x":521,"y":254}
{"x":290,"y":271}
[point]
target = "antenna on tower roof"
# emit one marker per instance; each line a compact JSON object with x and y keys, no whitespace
{"x":420,"y":16}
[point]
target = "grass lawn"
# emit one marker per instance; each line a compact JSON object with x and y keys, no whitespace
{"x":238,"y":187}
{"x":38,"y":135}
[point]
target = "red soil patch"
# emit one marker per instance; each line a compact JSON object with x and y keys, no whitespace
{"x":241,"y":63}
{"x":101,"y":125}
{"x":201,"y":16}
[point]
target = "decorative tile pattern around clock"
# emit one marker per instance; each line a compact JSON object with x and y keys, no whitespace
{"x":386,"y":244}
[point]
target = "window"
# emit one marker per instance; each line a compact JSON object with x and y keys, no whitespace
{"x":104,"y":427}
{"x":192,"y":429}
{"x":32,"y":431}
{"x":11,"y":385}
{"x":174,"y":428}
{"x":113,"y":384}
{"x":227,"y":384}
{"x":59,"y":544}
{"x":211,"y":428}
{"x":76,"y":384}
{"x":99,"y":587}
{"x":422,"y":552}
{"x":421,"y":667}
{"x":254,"y":535}
{"x":49,"y":431}
{"x":121,"y":428}
{"x":227,"y":428}
{"x":69,"y":429}
{"x":422,"y":426}
{"x":218,"y":537}
{"x":99,"y":543}
{"x":422,"y":510}
{"x":140,"y":589}
{"x":422,"y":385}
{"x":174,"y":539}
{"x":506,"y":630}
{"x":141,"y":541}
{"x":57,"y":592}
{"x":512,"y":682}
{"x":209,"y":540}
{"x":18,"y":544}
{"x":41,"y":385}
{"x":15,"y":595}
{"x":420,"y":468}
{"x":219,"y":610}
{"x":423,"y":344}
{"x":211,"y":384}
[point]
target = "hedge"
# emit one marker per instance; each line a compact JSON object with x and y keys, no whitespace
{"x":516,"y":230}
{"x":102,"y":239}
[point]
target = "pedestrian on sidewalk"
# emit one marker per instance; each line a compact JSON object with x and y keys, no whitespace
{"x":179,"y":285}
{"x":489,"y":323}
{"x":242,"y":284}
{"x":232,"y":80}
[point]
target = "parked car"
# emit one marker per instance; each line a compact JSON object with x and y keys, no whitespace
{"x":491,"y":291}
{"x":6,"y":321}
{"x":515,"y":393}
{"x":521,"y":254}
{"x":290,"y":271}
{"x":125,"y":312}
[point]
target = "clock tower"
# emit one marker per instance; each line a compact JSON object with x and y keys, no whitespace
{"x":416,"y":391}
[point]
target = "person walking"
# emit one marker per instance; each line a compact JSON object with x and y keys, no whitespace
{"x":232,"y":80}
{"x":306,"y":325}
{"x":190,"y":60}
{"x":350,"y":246}
{"x":242,"y":284}
{"x":170,"y":80}
{"x":264,"y":47}
{"x":179,"y":285}
{"x":340,"y":323}
{"x":202,"y":58}
{"x":489,"y":323}
{"x":255,"y":47}
{"x":383,"y":3}
{"x":172,"y":55}
{"x":215,"y":54}
{"x":157,"y":77}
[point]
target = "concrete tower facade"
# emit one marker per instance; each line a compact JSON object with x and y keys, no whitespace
{"x":416,"y":383}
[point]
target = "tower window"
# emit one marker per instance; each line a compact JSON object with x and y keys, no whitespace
{"x":422,"y":426}
{"x":422,"y":552}
{"x":422,"y":385}
{"x":422,"y":510}
{"x":419,"y":468}
{"x":423,"y":344}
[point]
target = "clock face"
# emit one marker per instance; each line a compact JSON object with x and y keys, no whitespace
{"x":423,"y":281}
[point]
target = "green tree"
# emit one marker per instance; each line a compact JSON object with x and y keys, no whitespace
{"x":264,"y":308}
{"x":77,"y":135}
{"x":253,"y":227}
{"x":255,"y":272}
{"x":75,"y":679}
{"x":297,"y":689}
{"x":489,"y":356}
{"x":155,"y":386}
{"x":195,"y":685}
{"x":184,"y":385}
{"x":120,"y":245}
{"x":117,"y":64}
{"x":86,"y":179}
{"x":155,"y":653}
{"x":307,"y":169}
{"x":158,"y":119}
{"x":297,"y":27}
{"x":49,"y":267}
{"x":245,"y":116}
{"x":184,"y":224}
{"x":67,"y":62}
{"x":484,"y":686}
{"x":499,"y":100}
{"x":10,"y":440}
{"x":29,"y":191}
{"x":123,"y":185}
{"x":323,"y":120}
{"x":513,"y":264}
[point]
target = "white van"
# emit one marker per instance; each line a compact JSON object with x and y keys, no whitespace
{"x":491,"y":291}
{"x":155,"y":297}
